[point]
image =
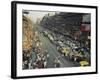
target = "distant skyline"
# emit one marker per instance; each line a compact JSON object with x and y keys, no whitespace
{"x":34,"y":15}
{"x":38,"y":15}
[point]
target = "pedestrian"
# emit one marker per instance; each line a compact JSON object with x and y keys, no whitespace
{"x":56,"y":63}
{"x":29,"y":64}
{"x":47,"y":56}
{"x":40,"y":64}
{"x":23,"y":65}
{"x":45,"y":64}
{"x":34,"y":65}
{"x":26,"y":65}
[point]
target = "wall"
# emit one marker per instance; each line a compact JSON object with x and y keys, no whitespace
{"x":5,"y":40}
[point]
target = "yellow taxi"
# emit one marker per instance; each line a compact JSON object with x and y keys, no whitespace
{"x":84,"y":63}
{"x":64,"y":50}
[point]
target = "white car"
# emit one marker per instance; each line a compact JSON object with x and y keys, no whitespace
{"x":50,"y":37}
{"x":45,"y":33}
{"x":60,"y":43}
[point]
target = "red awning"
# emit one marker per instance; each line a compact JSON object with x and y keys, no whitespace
{"x":85,"y":28}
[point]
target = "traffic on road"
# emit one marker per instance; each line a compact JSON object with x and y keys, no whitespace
{"x":47,"y":48}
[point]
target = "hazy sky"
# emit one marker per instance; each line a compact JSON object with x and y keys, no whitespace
{"x":87,"y":18}
{"x":35,"y":15}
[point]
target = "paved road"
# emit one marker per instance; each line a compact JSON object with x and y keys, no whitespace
{"x":51,"y":48}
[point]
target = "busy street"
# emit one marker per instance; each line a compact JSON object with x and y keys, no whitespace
{"x":47,"y":45}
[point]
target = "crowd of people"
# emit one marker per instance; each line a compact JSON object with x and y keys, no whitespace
{"x":36,"y":58}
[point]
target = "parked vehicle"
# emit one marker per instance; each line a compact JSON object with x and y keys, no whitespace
{"x":45,"y":33}
{"x":84,"y":63}
{"x":77,"y":56}
{"x":63,"y":50}
{"x":59,"y":43}
{"x":50,"y":37}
